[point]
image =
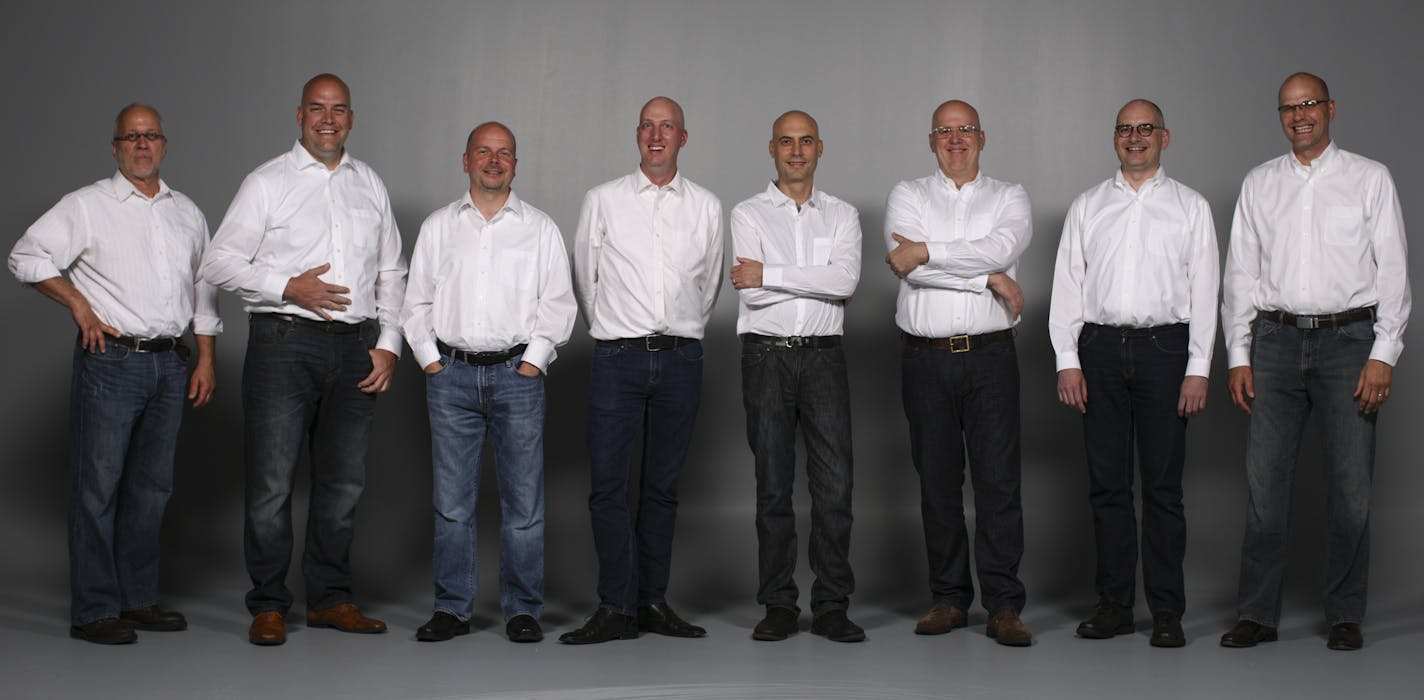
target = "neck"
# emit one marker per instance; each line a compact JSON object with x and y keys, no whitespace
{"x":147,"y":186}
{"x":489,"y":202}
{"x":799,"y":192}
{"x":659,"y":176}
{"x":1137,"y":177}
{"x":1306,"y":156}
{"x":329,"y":161}
{"x":961,"y":180}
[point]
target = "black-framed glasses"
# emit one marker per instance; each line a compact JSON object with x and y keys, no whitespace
{"x":1143,"y":130}
{"x":1301,"y":105}
{"x":967,"y":131}
{"x":149,"y":136}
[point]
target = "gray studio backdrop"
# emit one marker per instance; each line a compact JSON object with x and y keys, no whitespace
{"x":569,"y":78}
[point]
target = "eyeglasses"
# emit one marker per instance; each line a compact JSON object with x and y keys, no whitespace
{"x":1301,"y":105}
{"x":1144,"y":130}
{"x":967,"y":131}
{"x":149,"y":136}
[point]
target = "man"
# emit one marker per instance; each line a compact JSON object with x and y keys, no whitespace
{"x":798,"y":261}
{"x":647,"y":267}
{"x":312,"y":247}
{"x":1133,"y":321}
{"x":122,"y":255}
{"x":955,"y":238}
{"x":489,"y":299}
{"x":1316,"y":298}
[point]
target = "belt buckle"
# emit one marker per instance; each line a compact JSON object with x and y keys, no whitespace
{"x":142,"y":344}
{"x":959,"y":343}
{"x":794,"y":341}
{"x":648,"y":344}
{"x":1307,"y":323}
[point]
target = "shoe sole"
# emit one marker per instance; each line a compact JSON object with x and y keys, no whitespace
{"x":1167,"y":644}
{"x":433,"y":637}
{"x":267,"y":642}
{"x":929,"y":631}
{"x":841,"y":638}
{"x":1233,"y":644}
{"x":155,"y":628}
{"x":1085,"y":633}
{"x":79,"y":634}
{"x":327,"y":625}
{"x":766,"y":636}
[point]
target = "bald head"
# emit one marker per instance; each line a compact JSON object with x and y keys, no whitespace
{"x":1306,"y":81}
{"x":959,"y":108}
{"x":134,"y":108}
{"x":1134,"y":106}
{"x":324,"y":80}
{"x":956,"y":140}
{"x":666,"y":103}
{"x":795,"y":115}
{"x":662,"y":132}
{"x":480,"y":131}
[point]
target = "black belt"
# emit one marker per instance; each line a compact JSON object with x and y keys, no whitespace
{"x":330,"y":327}
{"x":652,"y":342}
{"x":1364,"y":313}
{"x":960,"y":343}
{"x":492,"y":357}
{"x":796,"y":341}
{"x":148,"y":344}
{"x":1130,"y":332}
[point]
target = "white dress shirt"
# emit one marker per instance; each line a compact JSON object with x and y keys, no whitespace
{"x":135,"y":259}
{"x":293,"y":214}
{"x":971,"y":232}
{"x":1137,"y":259}
{"x":810,"y":262}
{"x":486,"y":286}
{"x":648,"y":259}
{"x":1317,"y":239}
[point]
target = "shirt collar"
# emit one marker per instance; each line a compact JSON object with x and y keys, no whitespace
{"x":306,"y":160}
{"x":949,"y":184}
{"x":642,"y":183}
{"x":1321,"y":162}
{"x":123,"y":189}
{"x":513,"y":205}
{"x":779,"y":198}
{"x":1150,"y":183}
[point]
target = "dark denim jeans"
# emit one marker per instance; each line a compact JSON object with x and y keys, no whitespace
{"x":1134,"y":382}
{"x":781,"y":389}
{"x":124,"y":412}
{"x":1296,"y":372}
{"x":468,"y":403}
{"x":299,"y":386}
{"x":655,"y":393}
{"x":957,"y":402}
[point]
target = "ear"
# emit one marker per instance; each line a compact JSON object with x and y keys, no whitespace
{"x":1166,"y":138}
{"x":771,"y":148}
{"x":1332,"y":110}
{"x":820,"y":147}
{"x":682,"y":141}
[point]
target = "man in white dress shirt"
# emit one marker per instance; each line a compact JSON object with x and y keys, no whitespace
{"x":311,"y":245}
{"x":1133,"y":322}
{"x":122,"y":255}
{"x":488,"y":300}
{"x":955,"y":238}
{"x":1315,"y":301}
{"x":647,"y":267}
{"x":797,"y":263}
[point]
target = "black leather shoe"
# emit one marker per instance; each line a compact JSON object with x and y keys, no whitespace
{"x":108,"y":630}
{"x":442,"y":626}
{"x":778,"y":624}
{"x":659,"y":618}
{"x":1345,"y":636}
{"x":1247,"y":634}
{"x":523,"y":629}
{"x":835,"y":626}
{"x":1107,"y":622}
{"x":154,"y":619}
{"x":604,"y":626}
{"x":1167,"y":630}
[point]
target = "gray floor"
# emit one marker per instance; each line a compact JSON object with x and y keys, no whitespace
{"x":213,"y":660}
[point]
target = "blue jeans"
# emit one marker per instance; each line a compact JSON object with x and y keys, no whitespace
{"x":1296,"y":372}
{"x":1134,"y":381}
{"x":958,"y":402}
{"x":299,"y":386}
{"x":655,"y":393}
{"x":781,"y":389}
{"x":124,"y":411}
{"x":467,"y":403}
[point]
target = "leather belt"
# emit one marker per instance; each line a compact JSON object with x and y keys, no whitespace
{"x":817,"y":342}
{"x":960,"y":343}
{"x":652,"y":343}
{"x":1364,"y":313}
{"x":1130,"y":332}
{"x":482,"y":359}
{"x":331,"y":327}
{"x":148,"y":344}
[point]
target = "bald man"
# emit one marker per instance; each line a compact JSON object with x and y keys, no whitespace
{"x":1315,"y":302}
{"x":797,"y":263}
{"x":647,"y":268}
{"x":1133,"y":322}
{"x":310,"y":244}
{"x":122,"y":255}
{"x":955,"y":238}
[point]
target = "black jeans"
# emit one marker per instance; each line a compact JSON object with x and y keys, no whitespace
{"x":783,"y":388}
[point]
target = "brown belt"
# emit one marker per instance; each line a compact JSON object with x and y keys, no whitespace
{"x":1364,"y":313}
{"x":960,"y":343}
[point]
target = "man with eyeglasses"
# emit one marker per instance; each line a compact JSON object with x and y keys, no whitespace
{"x":488,"y":301}
{"x":122,"y":255}
{"x":647,"y":268}
{"x":797,"y":263}
{"x":1316,"y":299}
{"x":955,"y":238}
{"x":1133,"y":322}
{"x":310,"y":244}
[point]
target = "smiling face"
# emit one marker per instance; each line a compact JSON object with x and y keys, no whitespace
{"x":325,"y":117}
{"x":660,"y":137}
{"x":1140,"y":155}
{"x":490,"y":159}
{"x":956,"y":152}
{"x":795,"y":148}
{"x":139,"y":159}
{"x":1307,"y":128}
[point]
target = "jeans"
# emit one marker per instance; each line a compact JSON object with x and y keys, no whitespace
{"x":466,"y":404}
{"x":124,"y":411}
{"x":299,"y":386}
{"x":655,"y":392}
{"x":1134,"y":381}
{"x":958,"y":402}
{"x":1296,"y":372}
{"x":781,"y":388}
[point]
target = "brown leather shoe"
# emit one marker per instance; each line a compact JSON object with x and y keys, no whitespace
{"x":268,"y":629}
{"x":345,"y":617}
{"x":941,"y":618}
{"x":1006,"y":628}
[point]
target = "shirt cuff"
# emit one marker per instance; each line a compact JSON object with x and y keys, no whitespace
{"x":207,"y":325}
{"x":1068,"y":360}
{"x":36,"y":271}
{"x":425,"y":352}
{"x":771,"y":275}
{"x":272,"y":288}
{"x":1386,"y":351}
{"x":1238,"y":357}
{"x":390,"y":341}
{"x":1198,"y":367}
{"x":539,"y":353}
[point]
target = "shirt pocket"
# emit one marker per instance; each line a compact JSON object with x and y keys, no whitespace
{"x":821,"y":251}
{"x":1343,"y":225}
{"x":1165,"y":239}
{"x":365,"y":228}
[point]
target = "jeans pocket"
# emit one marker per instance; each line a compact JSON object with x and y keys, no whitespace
{"x":692,"y":352}
{"x":607,"y":349}
{"x":1172,"y":342}
{"x":753,"y":354}
{"x":270,"y":331}
{"x":112,"y":352}
{"x":1357,"y":332}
